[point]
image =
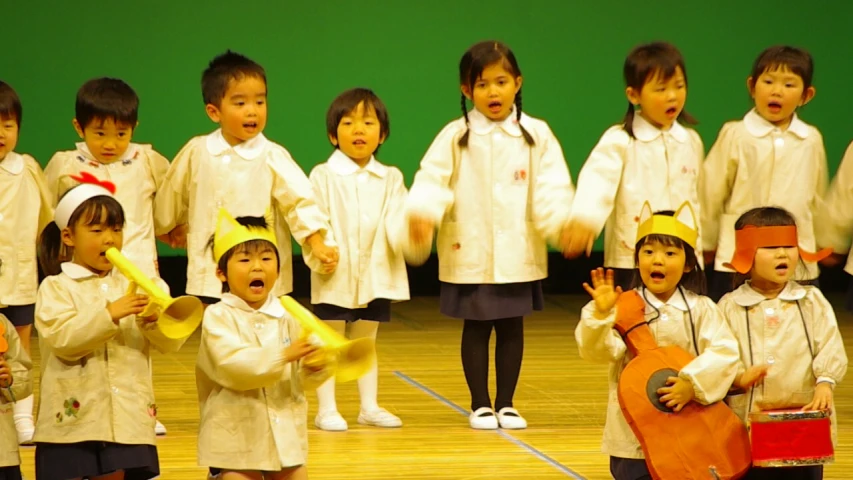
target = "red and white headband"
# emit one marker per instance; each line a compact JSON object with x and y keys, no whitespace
{"x":89,"y":187}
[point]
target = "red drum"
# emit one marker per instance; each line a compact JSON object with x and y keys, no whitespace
{"x":790,"y":438}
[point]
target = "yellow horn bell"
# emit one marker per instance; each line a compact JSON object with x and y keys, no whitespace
{"x":179,"y":317}
{"x":342,"y":358}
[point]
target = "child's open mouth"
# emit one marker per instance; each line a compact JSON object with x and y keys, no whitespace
{"x":256,"y":286}
{"x":359,"y":142}
{"x":774,"y":107}
{"x":782,"y":268}
{"x":657,"y":276}
{"x":671,"y":111}
{"x":250,"y":125}
{"x":495,"y":107}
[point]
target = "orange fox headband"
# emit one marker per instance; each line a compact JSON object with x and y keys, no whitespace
{"x":750,"y":238}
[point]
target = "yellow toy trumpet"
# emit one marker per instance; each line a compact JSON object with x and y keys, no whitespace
{"x":179,"y":317}
{"x":340,"y":357}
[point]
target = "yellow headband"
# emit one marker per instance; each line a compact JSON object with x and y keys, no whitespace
{"x":230,"y":233}
{"x":681,"y":225}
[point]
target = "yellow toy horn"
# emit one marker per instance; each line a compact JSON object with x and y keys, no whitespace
{"x":340,"y":357}
{"x":179,"y":317}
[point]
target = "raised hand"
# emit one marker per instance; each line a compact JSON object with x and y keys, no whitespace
{"x":602,"y":290}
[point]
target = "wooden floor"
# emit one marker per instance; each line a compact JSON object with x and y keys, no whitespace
{"x":421,"y":380}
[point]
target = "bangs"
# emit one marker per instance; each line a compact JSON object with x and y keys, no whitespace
{"x":652,"y":62}
{"x":254,"y":246}
{"x":665,"y":240}
{"x":100,"y":210}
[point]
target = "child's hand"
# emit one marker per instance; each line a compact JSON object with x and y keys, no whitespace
{"x":130,"y":304}
{"x":326,"y":254}
{"x":822,"y":399}
{"x":602,"y":290}
{"x":314,"y":362}
{"x":833,"y":260}
{"x":178,"y":236}
{"x":420,"y":230}
{"x":5,"y":373}
{"x":678,"y":394}
{"x":576,"y":239}
{"x":299,"y":349}
{"x":752,"y":376}
{"x":708,"y":257}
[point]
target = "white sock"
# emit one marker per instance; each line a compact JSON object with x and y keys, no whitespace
{"x":326,"y":392}
{"x":368,"y":384}
{"x":24,"y":410}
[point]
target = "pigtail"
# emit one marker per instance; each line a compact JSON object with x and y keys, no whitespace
{"x":463,"y":142}
{"x":527,"y":137}
{"x":628,"y":121}
{"x":51,"y":251}
{"x":685,"y":117}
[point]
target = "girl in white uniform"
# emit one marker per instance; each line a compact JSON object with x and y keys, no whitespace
{"x":678,"y":314}
{"x":496,"y":185}
{"x":791,"y":352}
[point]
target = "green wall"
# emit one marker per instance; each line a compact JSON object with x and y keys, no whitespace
{"x":571,"y":53}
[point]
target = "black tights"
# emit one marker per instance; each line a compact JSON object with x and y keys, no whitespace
{"x":509,"y":349}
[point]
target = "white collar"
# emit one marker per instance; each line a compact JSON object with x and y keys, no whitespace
{"x":482,"y":125}
{"x":341,"y":164}
{"x":129,"y":155}
{"x":13,"y":163}
{"x":746,"y":296}
{"x":271,"y":308}
{"x":684,"y":304}
{"x":646,"y":132}
{"x":759,"y":127}
{"x":77,"y":271}
{"x":250,"y":149}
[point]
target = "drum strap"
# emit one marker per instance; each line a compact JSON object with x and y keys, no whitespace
{"x":689,"y":314}
{"x":749,"y":342}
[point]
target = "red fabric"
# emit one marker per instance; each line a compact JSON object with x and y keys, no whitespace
{"x":791,"y":440}
{"x":86,"y":177}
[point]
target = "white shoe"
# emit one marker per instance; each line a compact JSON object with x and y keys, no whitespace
{"x":330,"y":422}
{"x":379,"y":418}
{"x":510,"y":419}
{"x":159,"y":428}
{"x":26,"y":429}
{"x":483,"y":419}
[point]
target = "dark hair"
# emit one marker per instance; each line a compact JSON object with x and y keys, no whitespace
{"x":52,"y":252}
{"x":693,"y":280}
{"x":10,"y":104}
{"x":762,"y":217}
{"x":645,"y":63}
{"x":471,"y":67}
{"x":106,"y":98}
{"x":347,"y":102}
{"x":246,"y":247}
{"x":222,"y":70}
{"x":794,"y":59}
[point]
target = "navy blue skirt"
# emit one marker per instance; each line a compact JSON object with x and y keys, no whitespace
{"x":61,"y":461}
{"x":487,"y":301}
{"x":11,"y":473}
{"x":378,"y":310}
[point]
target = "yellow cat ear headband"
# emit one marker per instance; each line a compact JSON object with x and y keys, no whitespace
{"x":681,"y":225}
{"x":230,"y":233}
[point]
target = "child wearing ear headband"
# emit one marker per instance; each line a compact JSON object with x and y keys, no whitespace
{"x":788,"y":336}
{"x":671,"y":282}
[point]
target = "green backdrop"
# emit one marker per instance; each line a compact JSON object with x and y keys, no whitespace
{"x":571,"y":54}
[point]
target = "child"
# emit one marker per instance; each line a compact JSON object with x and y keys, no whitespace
{"x":671,"y":282}
{"x":253,"y":411}
{"x":788,"y":336}
{"x":96,"y":409}
{"x":15,"y":383}
{"x":25,"y":209}
{"x":238,"y":169}
{"x":650,"y":156}
{"x":105,"y":116}
{"x":835,"y":225}
{"x":492,"y":261}
{"x":771,"y":157}
{"x":365,"y":201}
